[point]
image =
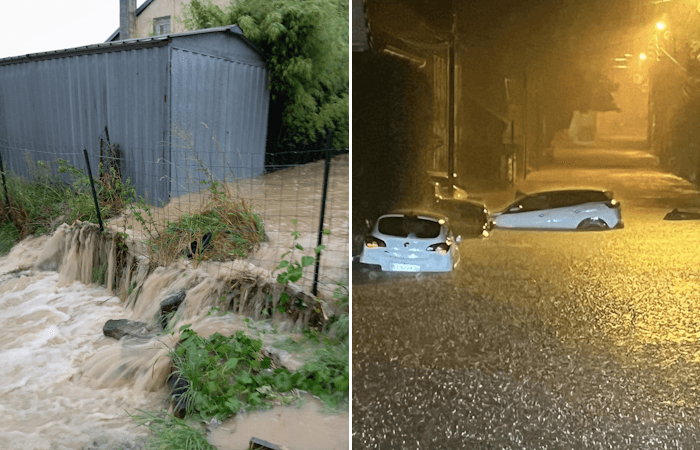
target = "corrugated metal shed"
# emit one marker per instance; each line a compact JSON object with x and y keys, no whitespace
{"x":206,"y":83}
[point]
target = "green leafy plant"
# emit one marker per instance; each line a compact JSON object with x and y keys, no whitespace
{"x":291,"y":270}
{"x":224,"y":373}
{"x":229,"y":373}
{"x":327,"y":375}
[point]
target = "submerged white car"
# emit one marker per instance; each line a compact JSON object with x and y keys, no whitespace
{"x":576,"y":209}
{"x":411,"y":242}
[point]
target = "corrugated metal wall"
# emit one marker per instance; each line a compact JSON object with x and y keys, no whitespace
{"x":223,"y":105}
{"x":57,"y":106}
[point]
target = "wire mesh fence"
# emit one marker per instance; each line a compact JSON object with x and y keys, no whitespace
{"x":215,"y":210}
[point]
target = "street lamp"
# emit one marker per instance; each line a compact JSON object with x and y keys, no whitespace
{"x":660,"y":25}
{"x":642,"y":56}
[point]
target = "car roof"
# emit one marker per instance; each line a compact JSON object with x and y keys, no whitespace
{"x":458,"y":201}
{"x":560,"y":191}
{"x":415,"y":213}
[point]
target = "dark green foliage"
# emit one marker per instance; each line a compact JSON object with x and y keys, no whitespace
{"x":306,"y":48}
{"x":228,"y":373}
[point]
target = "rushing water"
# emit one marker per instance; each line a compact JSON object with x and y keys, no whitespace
{"x":64,"y":385}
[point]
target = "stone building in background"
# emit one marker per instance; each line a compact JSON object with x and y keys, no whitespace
{"x":154,"y":17}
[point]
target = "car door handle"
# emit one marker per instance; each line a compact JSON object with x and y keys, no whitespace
{"x":576,"y":211}
{"x":541,"y":215}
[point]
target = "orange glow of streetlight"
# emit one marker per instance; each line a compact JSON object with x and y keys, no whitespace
{"x":660,"y":26}
{"x":642,"y":56}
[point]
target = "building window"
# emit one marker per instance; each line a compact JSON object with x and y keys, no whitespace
{"x":161,"y":25}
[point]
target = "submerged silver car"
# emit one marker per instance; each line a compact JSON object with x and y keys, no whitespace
{"x":411,"y":242}
{"x":574,"y":209}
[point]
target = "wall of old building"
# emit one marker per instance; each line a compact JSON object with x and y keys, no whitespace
{"x":165,"y":8}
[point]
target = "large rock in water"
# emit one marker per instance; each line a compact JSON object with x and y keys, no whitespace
{"x":178,"y":386}
{"x":169,"y":306}
{"x":123,"y":327}
{"x":281,"y":358}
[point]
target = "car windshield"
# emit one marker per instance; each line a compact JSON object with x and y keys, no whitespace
{"x":405,"y":225}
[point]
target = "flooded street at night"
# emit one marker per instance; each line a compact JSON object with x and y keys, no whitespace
{"x":543,"y":339}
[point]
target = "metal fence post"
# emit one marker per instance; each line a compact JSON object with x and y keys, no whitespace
{"x":329,"y":143}
{"x":94,"y":194}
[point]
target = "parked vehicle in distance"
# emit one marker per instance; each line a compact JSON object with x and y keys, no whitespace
{"x":468,"y":218}
{"x":441,"y":185}
{"x":574,"y":209}
{"x":407,"y":241}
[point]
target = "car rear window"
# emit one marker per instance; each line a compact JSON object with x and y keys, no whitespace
{"x":403,"y":226}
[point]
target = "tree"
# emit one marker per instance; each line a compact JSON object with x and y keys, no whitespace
{"x":305,"y":44}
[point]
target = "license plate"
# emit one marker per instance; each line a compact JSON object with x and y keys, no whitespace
{"x":405,"y":267}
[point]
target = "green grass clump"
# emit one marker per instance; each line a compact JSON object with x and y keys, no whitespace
{"x":169,"y":432}
{"x":57,"y":192}
{"x":234,"y":233}
{"x":8,"y":236}
{"x":339,"y":323}
{"x":236,"y":229}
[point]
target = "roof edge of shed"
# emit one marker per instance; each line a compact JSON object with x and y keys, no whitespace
{"x":129,"y":44}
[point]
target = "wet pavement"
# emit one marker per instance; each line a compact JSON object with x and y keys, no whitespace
{"x":543,"y":339}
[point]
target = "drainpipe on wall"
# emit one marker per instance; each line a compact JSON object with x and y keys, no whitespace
{"x":127,"y":19}
{"x":451,"y":110}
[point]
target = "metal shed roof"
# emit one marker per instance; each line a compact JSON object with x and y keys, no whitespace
{"x":129,"y":44}
{"x":140,"y":92}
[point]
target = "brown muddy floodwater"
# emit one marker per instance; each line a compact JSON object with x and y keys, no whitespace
{"x":64,"y":385}
{"x":280,"y":198}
